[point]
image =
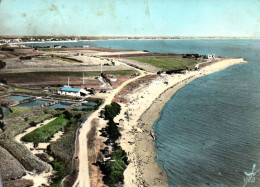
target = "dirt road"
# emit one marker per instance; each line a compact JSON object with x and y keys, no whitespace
{"x":83,"y":179}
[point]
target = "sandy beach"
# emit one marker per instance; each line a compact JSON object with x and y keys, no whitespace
{"x":139,"y":115}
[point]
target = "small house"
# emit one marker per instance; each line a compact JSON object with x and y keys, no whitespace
{"x":211,"y":56}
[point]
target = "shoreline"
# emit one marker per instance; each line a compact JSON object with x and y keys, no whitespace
{"x":116,"y":39}
{"x":145,"y":107}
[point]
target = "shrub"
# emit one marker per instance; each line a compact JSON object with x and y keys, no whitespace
{"x":67,"y":115}
{"x":112,"y":111}
{"x":115,"y":169}
{"x":61,"y":172}
{"x":112,"y":130}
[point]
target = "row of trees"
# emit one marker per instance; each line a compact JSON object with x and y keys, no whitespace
{"x":114,"y":168}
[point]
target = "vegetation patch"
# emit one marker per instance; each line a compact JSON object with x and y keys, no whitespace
{"x":34,"y":120}
{"x":25,"y":90}
{"x":171,"y":63}
{"x":114,"y":168}
{"x":112,"y":111}
{"x":59,"y":58}
{"x":61,"y":172}
{"x":121,"y":72}
{"x":43,"y":134}
{"x":28,"y":91}
{"x":23,"y":119}
{"x":63,"y":149}
{"x":112,"y":131}
{"x":19,"y":111}
{"x":65,"y":73}
{"x":16,"y":128}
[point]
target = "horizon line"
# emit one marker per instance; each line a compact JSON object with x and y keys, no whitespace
{"x":114,"y":36}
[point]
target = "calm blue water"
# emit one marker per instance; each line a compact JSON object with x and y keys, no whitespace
{"x":91,"y":103}
{"x":60,"y":105}
{"x":208,"y":133}
{"x":32,"y":103}
{"x":83,"y":106}
{"x":17,"y":97}
{"x":6,"y":111}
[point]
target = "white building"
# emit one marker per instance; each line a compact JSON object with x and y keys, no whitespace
{"x":76,"y":92}
{"x":57,"y":46}
{"x":211,"y":56}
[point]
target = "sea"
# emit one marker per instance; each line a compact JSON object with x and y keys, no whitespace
{"x":208,"y":133}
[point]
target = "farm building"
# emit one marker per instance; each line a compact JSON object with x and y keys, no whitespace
{"x":76,"y":92}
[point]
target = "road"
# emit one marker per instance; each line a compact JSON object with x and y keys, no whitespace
{"x":83,"y":179}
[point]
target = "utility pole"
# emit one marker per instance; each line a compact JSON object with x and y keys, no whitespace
{"x":68,"y":81}
{"x":83,"y":78}
{"x":101,"y":67}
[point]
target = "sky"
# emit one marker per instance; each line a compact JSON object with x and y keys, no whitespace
{"x":130,"y":17}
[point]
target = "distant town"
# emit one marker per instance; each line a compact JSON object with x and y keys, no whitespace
{"x":16,"y":39}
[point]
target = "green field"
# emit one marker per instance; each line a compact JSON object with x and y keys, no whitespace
{"x":23,"y":90}
{"x":169,"y":64}
{"x":63,"y":73}
{"x":19,"y":111}
{"x":44,"y":133}
{"x":58,"y":58}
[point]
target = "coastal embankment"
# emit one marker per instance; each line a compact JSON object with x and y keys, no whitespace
{"x":139,"y":114}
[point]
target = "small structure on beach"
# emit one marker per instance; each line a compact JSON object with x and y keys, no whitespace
{"x":121,"y":123}
{"x":211,"y":56}
{"x":76,"y":92}
{"x":112,"y":78}
{"x":57,"y":46}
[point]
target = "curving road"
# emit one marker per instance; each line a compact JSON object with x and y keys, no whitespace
{"x":83,"y":179}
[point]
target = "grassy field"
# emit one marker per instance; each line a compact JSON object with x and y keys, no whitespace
{"x":19,"y":111}
{"x":43,"y":134}
{"x":169,"y":64}
{"x":16,"y":128}
{"x":31,"y":115}
{"x":58,"y":58}
{"x":57,"y":73}
{"x":62,"y":150}
{"x":18,"y":90}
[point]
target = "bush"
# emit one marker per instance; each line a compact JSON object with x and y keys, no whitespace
{"x":61,"y":172}
{"x":112,"y":111}
{"x":115,"y":169}
{"x":68,"y":115}
{"x":112,"y":130}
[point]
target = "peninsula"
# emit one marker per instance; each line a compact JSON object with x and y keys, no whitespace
{"x":77,"y":134}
